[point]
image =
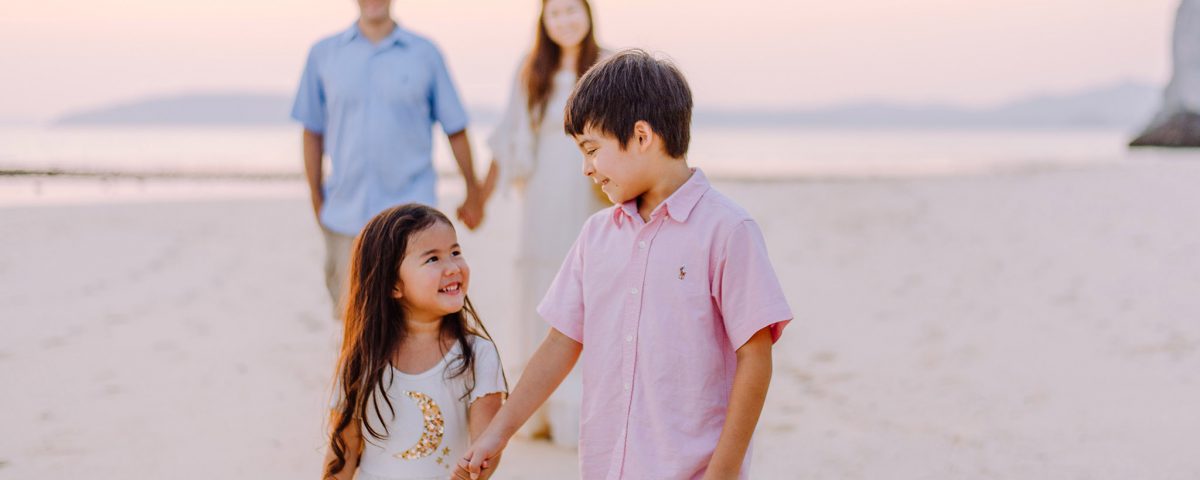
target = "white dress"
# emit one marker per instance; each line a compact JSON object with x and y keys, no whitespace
{"x":428,"y":433}
{"x":544,"y":167}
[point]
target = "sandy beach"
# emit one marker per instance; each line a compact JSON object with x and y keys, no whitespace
{"x":1034,"y":324}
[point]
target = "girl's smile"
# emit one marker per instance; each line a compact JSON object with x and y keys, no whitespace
{"x":434,"y":276}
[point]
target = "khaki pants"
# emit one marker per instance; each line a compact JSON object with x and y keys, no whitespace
{"x":337,"y":269}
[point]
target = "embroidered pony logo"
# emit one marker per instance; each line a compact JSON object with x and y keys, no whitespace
{"x":682,"y":271}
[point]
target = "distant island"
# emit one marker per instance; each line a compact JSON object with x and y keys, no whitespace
{"x":241,"y":108}
{"x":1126,"y":106}
{"x":1123,"y":106}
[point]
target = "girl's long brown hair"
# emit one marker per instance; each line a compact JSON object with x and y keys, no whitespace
{"x":538,"y":72}
{"x":375,"y":325}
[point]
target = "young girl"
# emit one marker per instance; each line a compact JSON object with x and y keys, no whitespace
{"x":531,"y":152}
{"x":418,"y":376}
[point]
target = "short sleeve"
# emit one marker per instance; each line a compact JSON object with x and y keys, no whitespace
{"x":562,"y":307}
{"x":747,"y":291}
{"x":512,"y":141}
{"x":489,"y":373}
{"x":444,"y":102}
{"x":309,"y":106}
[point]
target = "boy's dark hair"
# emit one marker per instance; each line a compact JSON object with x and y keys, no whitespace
{"x":629,"y":86}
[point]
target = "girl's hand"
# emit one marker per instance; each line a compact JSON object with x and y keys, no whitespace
{"x":460,"y":472}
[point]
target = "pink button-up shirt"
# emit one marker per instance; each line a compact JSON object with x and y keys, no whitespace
{"x":661,"y":308}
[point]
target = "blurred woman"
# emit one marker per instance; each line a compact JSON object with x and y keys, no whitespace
{"x":533,"y":156}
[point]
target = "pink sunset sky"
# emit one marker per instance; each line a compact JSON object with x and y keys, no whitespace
{"x":59,"y":56}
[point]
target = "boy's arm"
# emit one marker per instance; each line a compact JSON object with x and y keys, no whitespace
{"x":750,"y":382}
{"x":546,"y":370}
{"x":479,"y":416}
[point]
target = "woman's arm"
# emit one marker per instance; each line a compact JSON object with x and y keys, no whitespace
{"x":489,"y":183}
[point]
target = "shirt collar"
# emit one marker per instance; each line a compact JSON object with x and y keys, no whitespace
{"x":399,"y":36}
{"x":678,"y":206}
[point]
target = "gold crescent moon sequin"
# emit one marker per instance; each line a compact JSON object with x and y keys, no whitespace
{"x":431,"y":435}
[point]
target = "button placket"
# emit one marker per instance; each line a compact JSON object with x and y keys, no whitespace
{"x":632,"y":317}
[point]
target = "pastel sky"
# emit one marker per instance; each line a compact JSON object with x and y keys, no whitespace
{"x":58,"y":56}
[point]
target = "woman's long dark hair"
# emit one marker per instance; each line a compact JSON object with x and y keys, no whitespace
{"x":538,"y":72}
{"x":375,"y":325}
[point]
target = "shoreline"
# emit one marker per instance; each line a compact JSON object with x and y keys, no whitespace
{"x":30,"y":187}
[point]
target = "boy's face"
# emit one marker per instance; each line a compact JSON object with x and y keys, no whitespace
{"x":622,"y":173}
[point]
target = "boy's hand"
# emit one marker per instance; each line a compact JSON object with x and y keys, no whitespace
{"x":481,"y":455}
{"x":460,"y":472}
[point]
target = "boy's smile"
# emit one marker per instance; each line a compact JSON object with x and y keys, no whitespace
{"x":619,"y":171}
{"x":640,"y":171}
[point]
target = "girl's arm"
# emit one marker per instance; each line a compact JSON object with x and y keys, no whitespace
{"x":482,"y":410}
{"x":353,"y":438}
{"x":750,"y":382}
{"x":547,"y":368}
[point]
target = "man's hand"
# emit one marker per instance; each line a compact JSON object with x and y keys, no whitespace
{"x":471,"y":210}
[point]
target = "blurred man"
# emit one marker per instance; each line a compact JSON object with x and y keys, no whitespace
{"x":369,"y":97}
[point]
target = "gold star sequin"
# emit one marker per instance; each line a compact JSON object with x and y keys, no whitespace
{"x":434,"y":427}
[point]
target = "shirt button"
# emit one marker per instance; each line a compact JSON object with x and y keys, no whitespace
{"x":642,"y":244}
{"x":634,"y":291}
{"x":626,"y":387}
{"x":629,"y":338}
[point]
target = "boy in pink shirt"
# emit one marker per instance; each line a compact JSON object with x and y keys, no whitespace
{"x":668,"y":297}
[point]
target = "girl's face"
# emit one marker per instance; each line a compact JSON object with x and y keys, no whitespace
{"x":433,"y":275}
{"x":566,"y":22}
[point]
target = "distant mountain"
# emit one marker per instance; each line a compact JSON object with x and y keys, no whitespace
{"x":190,"y":109}
{"x":1127,"y":105}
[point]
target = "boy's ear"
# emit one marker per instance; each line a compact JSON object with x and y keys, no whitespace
{"x":644,"y":136}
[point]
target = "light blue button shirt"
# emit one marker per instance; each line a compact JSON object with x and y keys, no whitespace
{"x":375,"y":105}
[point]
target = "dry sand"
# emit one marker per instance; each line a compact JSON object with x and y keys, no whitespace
{"x":1026,"y":325}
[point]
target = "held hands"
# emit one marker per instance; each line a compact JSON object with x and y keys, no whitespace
{"x":471,"y":211}
{"x":478,"y":461}
{"x":460,"y":472}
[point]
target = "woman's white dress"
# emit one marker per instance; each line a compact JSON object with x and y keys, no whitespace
{"x":543,"y":166}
